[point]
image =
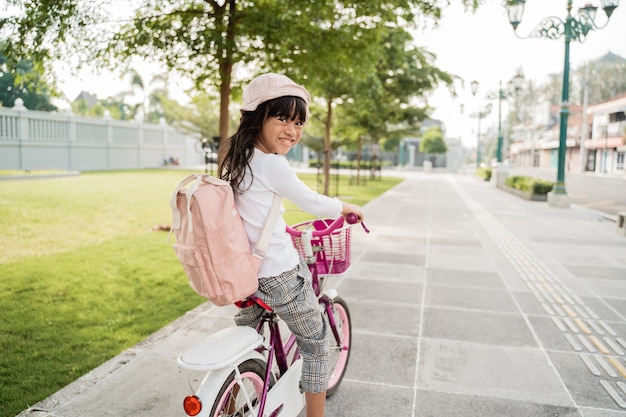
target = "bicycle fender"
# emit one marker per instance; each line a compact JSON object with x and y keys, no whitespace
{"x":213,"y":381}
{"x":221,"y":349}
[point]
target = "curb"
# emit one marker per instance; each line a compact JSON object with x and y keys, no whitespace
{"x":37,"y":176}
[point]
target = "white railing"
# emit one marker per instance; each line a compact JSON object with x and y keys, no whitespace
{"x":32,"y":140}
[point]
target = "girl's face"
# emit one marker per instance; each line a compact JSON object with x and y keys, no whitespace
{"x":279,"y":134}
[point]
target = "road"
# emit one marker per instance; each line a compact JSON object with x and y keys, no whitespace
{"x":604,"y":193}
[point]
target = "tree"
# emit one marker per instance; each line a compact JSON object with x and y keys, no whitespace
{"x":359,"y":57}
{"x":390,"y":104}
{"x":329,"y":45}
{"x":305,"y":55}
{"x":136,"y":82}
{"x":148,"y":107}
{"x":432,"y":141}
{"x":200,"y":119}
{"x":24,"y":79}
{"x":607,"y":78}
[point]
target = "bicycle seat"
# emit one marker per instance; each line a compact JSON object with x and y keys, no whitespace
{"x":220,"y":349}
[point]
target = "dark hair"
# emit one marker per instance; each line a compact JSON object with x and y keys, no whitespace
{"x":236,"y":152}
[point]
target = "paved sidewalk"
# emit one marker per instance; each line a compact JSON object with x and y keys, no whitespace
{"x":465,"y":300}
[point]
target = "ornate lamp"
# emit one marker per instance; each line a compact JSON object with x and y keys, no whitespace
{"x":572,"y":28}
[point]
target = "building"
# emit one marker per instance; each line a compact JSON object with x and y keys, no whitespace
{"x":597,"y":147}
{"x":409,"y":155}
{"x":605,"y":147}
{"x":595,"y":140}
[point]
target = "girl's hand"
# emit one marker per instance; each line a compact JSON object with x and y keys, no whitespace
{"x":354,"y":215}
{"x":354,"y":209}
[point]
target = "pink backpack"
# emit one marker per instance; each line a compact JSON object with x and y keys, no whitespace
{"x":211,"y":242}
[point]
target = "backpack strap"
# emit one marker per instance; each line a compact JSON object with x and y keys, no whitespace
{"x":189,"y":191}
{"x":176,"y":220}
{"x":261,"y":247}
{"x":175,"y":212}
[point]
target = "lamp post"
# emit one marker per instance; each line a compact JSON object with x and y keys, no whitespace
{"x":572,"y":29}
{"x":206,"y":149}
{"x":480,"y":114}
{"x":604,"y":126}
{"x":605,"y":154}
{"x":502,"y":94}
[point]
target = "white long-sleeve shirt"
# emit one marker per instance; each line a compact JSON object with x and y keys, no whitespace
{"x":273,"y":175}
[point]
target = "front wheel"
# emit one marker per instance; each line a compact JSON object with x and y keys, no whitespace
{"x":339,"y":349}
{"x":231,"y":400}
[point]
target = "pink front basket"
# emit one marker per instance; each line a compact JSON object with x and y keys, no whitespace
{"x":334,"y":258}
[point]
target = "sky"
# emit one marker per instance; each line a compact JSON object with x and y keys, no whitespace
{"x":483,"y":47}
{"x":477,"y":46}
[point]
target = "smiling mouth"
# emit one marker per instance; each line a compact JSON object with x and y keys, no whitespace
{"x":287,"y":142}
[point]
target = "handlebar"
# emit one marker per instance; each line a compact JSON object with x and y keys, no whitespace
{"x":351,"y":218}
{"x":336,"y":224}
{"x":303,"y":234}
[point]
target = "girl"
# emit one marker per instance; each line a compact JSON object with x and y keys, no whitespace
{"x":253,"y":160}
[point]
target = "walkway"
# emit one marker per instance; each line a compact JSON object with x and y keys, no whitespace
{"x":465,"y":300}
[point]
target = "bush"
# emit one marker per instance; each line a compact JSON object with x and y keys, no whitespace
{"x":529,"y":185}
{"x":484,"y":173}
{"x":540,"y":186}
{"x":517,"y":182}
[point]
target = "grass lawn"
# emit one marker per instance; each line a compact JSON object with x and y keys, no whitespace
{"x":83,"y":275}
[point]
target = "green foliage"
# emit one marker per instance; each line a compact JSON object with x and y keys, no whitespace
{"x":382,"y":108}
{"x":154,"y":102}
{"x":37,"y":27}
{"x":605,"y":78}
{"x":84,"y":276}
{"x":358,"y":55}
{"x":529,"y":185}
{"x":25,"y":79}
{"x":200,"y":118}
{"x":345,"y":52}
{"x":484,"y":173}
{"x":432,"y":141}
{"x":116,"y":107}
{"x":540,"y":186}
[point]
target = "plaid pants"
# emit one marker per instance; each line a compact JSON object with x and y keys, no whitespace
{"x":291,"y":296}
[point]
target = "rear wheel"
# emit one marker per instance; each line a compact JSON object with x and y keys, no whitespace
{"x":231,"y":400}
{"x":339,"y":349}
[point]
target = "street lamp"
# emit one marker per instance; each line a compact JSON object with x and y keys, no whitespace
{"x":502,"y":94}
{"x":571,"y":29}
{"x":604,"y":127}
{"x":480,"y":114}
{"x":206,"y":149}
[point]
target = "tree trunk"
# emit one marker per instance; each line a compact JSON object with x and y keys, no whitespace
{"x":374,"y":159}
{"x":327,"y":147}
{"x":359,"y":156}
{"x":225,"y":100}
{"x":225,"y":57}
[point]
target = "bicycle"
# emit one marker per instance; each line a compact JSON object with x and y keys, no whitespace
{"x":249,"y":373}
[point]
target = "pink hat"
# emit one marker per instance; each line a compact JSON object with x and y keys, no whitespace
{"x":269,"y":86}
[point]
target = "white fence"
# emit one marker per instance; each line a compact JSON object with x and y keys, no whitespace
{"x":32,"y":140}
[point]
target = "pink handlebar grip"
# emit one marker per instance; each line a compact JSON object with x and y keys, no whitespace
{"x":353,"y":218}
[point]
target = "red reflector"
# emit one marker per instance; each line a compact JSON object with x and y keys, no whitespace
{"x":192,"y":405}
